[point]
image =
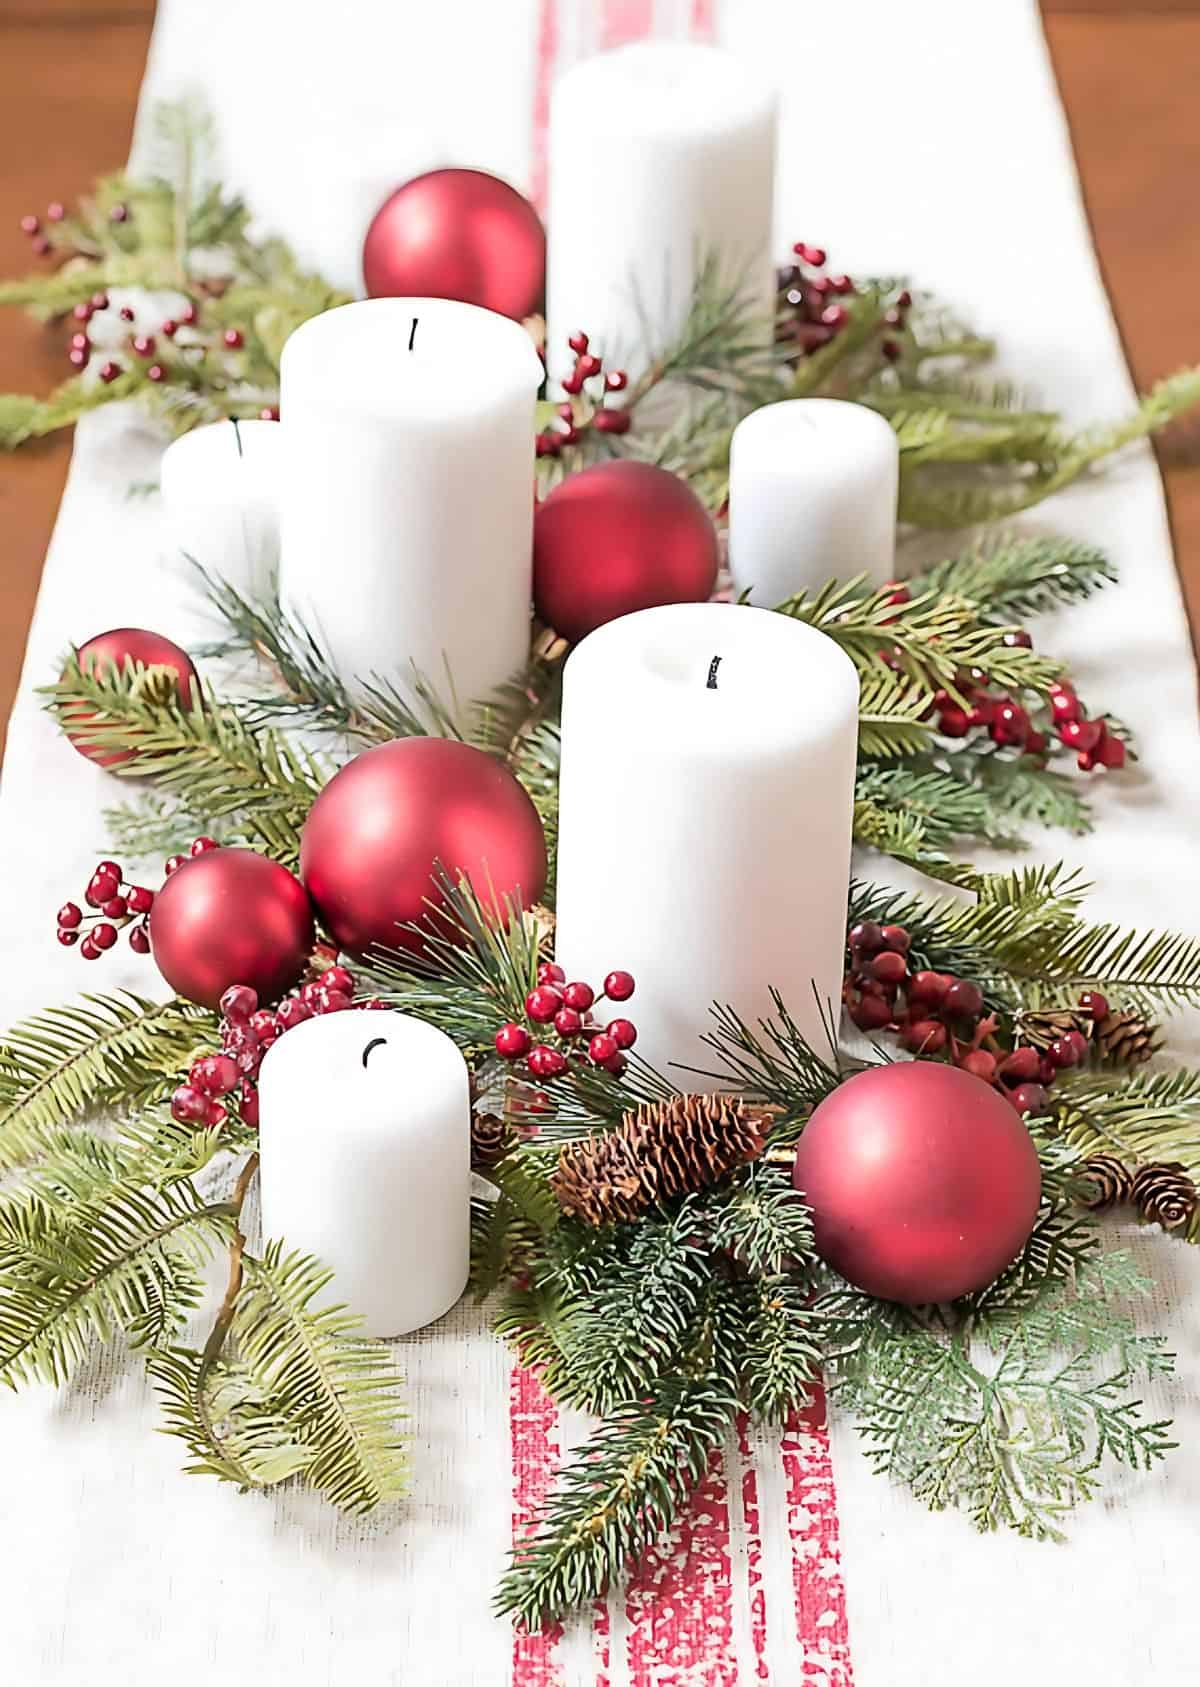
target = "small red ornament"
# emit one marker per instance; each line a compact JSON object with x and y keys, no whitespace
{"x":113,"y":650}
{"x":615,"y":538}
{"x":458,"y":234}
{"x":231,"y":917}
{"x":370,"y":844}
{"x":924,"y":1183}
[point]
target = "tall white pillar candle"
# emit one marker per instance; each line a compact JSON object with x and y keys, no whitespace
{"x":708,"y":758}
{"x":812,"y":496}
{"x":365,"y":1131}
{"x":406,"y":492}
{"x":220,"y":500}
{"x":661,"y":155}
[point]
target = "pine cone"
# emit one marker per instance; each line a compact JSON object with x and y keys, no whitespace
{"x":491,"y":1140}
{"x":1104,"y":1182}
{"x":1165,"y":1195}
{"x":662,"y":1148}
{"x":1126,"y":1039}
{"x":1040,"y":1028}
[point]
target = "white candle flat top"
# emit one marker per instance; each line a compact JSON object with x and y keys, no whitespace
{"x":660,"y":87}
{"x":217,"y":446}
{"x":432,"y":359}
{"x":800,"y":431}
{"x":715,"y":677}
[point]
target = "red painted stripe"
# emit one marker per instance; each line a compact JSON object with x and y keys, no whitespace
{"x":822,"y":1632}
{"x":704,"y":22}
{"x":602,"y":1643}
{"x":679,"y":1605}
{"x":543,"y":80}
{"x":533,"y":1429}
{"x":625,"y":20}
{"x":752,"y":1535}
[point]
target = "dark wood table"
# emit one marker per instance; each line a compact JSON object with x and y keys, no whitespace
{"x":69,"y":77}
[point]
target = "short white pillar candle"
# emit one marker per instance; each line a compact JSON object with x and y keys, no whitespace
{"x":680,"y":170}
{"x":219,"y":493}
{"x":711,"y":855}
{"x":406,"y":492}
{"x":813,"y":484}
{"x":365,"y":1137}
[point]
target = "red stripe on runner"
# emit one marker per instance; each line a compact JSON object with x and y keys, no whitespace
{"x":822,"y":1631}
{"x":533,"y":1429}
{"x":679,"y":1604}
{"x":625,"y":20}
{"x":752,"y":1534}
{"x":704,"y":23}
{"x":543,"y":80}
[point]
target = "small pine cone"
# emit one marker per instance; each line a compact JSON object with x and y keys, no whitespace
{"x":1165,"y":1195}
{"x":491,"y":1140}
{"x":1126,"y":1039}
{"x":1040,"y":1028}
{"x":661,"y":1149}
{"x":1104,"y":1182}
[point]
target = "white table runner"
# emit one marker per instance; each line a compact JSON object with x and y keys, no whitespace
{"x":927,"y":139}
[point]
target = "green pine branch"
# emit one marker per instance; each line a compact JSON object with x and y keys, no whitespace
{"x":1144,"y":1119}
{"x":1014,"y":577}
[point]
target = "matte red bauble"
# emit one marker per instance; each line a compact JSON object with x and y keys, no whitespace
{"x":615,"y":538}
{"x":370,"y":843}
{"x":458,"y":234}
{"x":923,"y":1181}
{"x":231,"y":916}
{"x":113,"y":650}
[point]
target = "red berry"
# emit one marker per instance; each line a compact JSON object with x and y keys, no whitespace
{"x":89,"y":950}
{"x":1021,"y":1066}
{"x":963,"y":1000}
{"x":332,"y":1001}
{"x":623,"y":1032}
{"x":866,"y":937}
{"x":55,"y":211}
{"x":550,"y":973}
{"x":543,"y":1003}
{"x":67,"y":937}
{"x":338,"y":978}
{"x":109,"y":371}
{"x":602,"y":1048}
{"x":201,"y":846}
{"x":588,"y":366}
{"x":189,"y":1105}
{"x":1030,"y":1098}
{"x":1080,"y":1044}
{"x":1018,"y":639}
{"x":616,"y":380}
{"x":156,"y":372}
{"x":169,"y":328}
{"x":954,"y":722}
{"x":248,"y":1105}
{"x":1062,"y":1053}
{"x":548,"y":444}
{"x":113,"y":867}
{"x":311,"y":992}
{"x":619,"y":986}
{"x":139,"y":899}
{"x":1064,"y":705}
{"x":189,"y":313}
{"x":104,"y":936}
{"x":99,"y":301}
{"x":1111,"y":751}
{"x":513,"y":1041}
{"x":102,"y":887}
{"x":871,"y":1013}
{"x":234,"y":338}
{"x":214,"y":1074}
{"x":568,"y":1022}
{"x":214,"y":1115}
{"x":578,"y":342}
{"x":139,"y":940}
{"x":115,"y":908}
{"x":545,"y":1062}
{"x":1082,"y":735}
{"x":925,"y":1036}
{"x":927,"y":989}
{"x":612,"y":421}
{"x":239,"y":1002}
{"x":374,"y":1004}
{"x":30,"y":224}
{"x":269,"y":413}
{"x":579,"y":996}
{"x":1010,"y":723}
{"x":896,"y":939}
{"x":980,"y":1064}
{"x":265,"y":1025}
{"x":616,"y":1064}
{"x":82,"y":312}
{"x":77,"y":357}
{"x":292,"y":1011}
{"x":573,"y":383}
{"x":173,"y":863}
{"x":1092,"y":1002}
{"x":143,"y":345}
{"x":69,"y":915}
{"x":889,"y":967}
{"x":835,"y":316}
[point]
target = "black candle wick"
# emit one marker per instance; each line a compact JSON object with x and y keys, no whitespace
{"x":712,"y":673}
{"x":412,"y":333}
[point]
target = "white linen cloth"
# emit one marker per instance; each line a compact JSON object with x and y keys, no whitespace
{"x":897,"y":155}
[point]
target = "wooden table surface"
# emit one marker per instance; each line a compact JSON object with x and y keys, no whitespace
{"x":69,"y":77}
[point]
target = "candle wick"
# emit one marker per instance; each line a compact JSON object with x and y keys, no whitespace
{"x":712,"y":673}
{"x":413,"y":334}
{"x":376,"y":1042}
{"x":237,"y":434}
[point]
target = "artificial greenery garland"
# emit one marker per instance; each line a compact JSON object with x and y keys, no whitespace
{"x":669,"y":1325}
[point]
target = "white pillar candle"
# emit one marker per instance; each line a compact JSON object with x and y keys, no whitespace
{"x":661,"y":155}
{"x":406,"y":492}
{"x":365,"y":1137}
{"x":708,"y":758}
{"x":219,"y":493}
{"x":812,"y":496}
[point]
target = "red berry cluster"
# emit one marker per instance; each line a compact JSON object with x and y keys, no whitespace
{"x":577,"y":417}
{"x":118,"y":905}
{"x":566,"y":1012}
{"x":1011,"y":725}
{"x":247,"y":1032}
{"x":940,"y":1016}
{"x":1094,"y":741}
{"x":810,"y":311}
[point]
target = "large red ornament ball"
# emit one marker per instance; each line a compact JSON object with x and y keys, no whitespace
{"x":619,"y":537}
{"x":113,"y":650}
{"x":374,"y":835}
{"x":458,"y":234}
{"x":923,"y":1181}
{"x":231,"y":916}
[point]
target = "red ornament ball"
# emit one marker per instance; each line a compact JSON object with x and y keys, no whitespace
{"x":619,"y":537}
{"x":370,"y":844}
{"x":231,"y":916}
{"x":458,"y":234}
{"x":113,"y":650}
{"x":923,"y":1181}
